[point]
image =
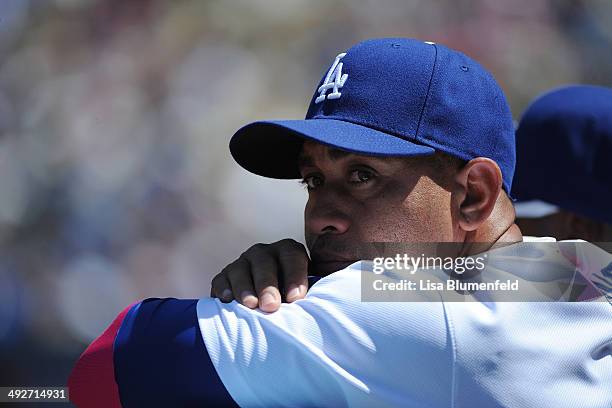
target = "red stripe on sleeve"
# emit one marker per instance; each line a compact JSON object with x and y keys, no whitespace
{"x":92,"y":381}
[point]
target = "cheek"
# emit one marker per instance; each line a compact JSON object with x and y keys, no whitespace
{"x":430,"y":218}
{"x":421,"y":216}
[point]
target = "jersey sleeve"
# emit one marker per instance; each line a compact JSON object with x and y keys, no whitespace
{"x":328,"y":349}
{"x":331,"y":349}
{"x":92,"y":381}
{"x":151,"y":355}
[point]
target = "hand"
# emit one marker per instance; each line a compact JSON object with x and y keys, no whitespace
{"x":254,"y":279}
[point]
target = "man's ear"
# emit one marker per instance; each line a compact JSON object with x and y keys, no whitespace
{"x":479,"y":183}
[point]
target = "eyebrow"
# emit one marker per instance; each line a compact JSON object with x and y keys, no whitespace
{"x":334,"y":154}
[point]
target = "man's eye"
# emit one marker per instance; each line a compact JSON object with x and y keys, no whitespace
{"x":312,"y":182}
{"x":360,"y":176}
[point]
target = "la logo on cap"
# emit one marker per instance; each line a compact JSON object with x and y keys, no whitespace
{"x":335,"y":73}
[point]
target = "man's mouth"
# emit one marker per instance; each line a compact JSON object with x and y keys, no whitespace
{"x":332,"y":256}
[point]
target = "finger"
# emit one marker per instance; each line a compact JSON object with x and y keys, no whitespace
{"x":293,"y":260}
{"x":239,"y":277}
{"x":264,"y":271}
{"x":221,"y":288}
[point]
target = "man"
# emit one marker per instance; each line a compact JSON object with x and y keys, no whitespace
{"x":564,"y":173}
{"x":404,"y":142}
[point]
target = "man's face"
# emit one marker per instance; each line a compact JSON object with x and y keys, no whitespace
{"x":354,"y":200}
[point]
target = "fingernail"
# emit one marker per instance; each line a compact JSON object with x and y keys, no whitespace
{"x":294,"y":292}
{"x":267,"y":299}
{"x":248,"y":298}
{"x":226,"y":295}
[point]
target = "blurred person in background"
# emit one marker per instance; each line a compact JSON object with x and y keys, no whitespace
{"x":563,"y":177}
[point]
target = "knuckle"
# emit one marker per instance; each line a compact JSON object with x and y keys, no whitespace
{"x":292,"y":257}
{"x":290,"y":248}
{"x":237,"y":270}
{"x":289,"y":243}
{"x":255,"y":251}
{"x":231,"y":266}
{"x":216,"y":281}
{"x":234,"y":274}
{"x":259,"y":247}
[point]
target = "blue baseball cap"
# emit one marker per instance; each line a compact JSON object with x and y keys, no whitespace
{"x":391,"y":97}
{"x":564,"y":145}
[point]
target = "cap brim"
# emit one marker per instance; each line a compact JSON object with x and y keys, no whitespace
{"x":271,"y":148}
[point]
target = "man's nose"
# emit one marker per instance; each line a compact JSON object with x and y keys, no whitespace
{"x":326,"y":218}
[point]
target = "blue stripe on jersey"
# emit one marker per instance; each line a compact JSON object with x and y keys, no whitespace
{"x":161,"y":360}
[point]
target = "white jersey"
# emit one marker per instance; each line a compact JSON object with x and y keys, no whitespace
{"x":332,"y":349}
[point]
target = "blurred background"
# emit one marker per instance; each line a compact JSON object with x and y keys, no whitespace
{"x":116,"y":183}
